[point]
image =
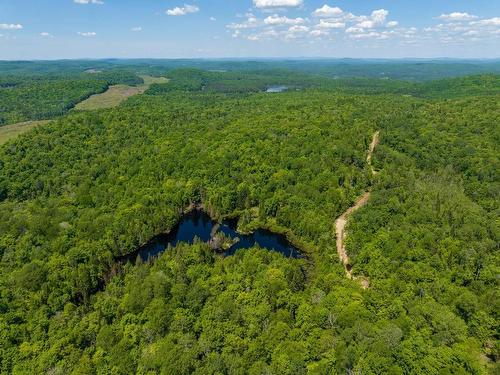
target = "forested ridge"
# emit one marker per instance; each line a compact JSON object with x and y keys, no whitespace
{"x":404,"y":69}
{"x":79,"y":192}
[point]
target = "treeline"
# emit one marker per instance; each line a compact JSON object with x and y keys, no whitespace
{"x":195,"y":80}
{"x":407,"y":70}
{"x":48,"y":95}
{"x":190,"y":80}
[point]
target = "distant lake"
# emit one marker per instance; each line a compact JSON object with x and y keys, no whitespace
{"x":197,"y":224}
{"x":278,"y":88}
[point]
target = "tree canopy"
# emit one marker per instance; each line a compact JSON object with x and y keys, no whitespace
{"x":89,"y":187}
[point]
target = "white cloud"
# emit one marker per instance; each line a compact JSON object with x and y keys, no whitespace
{"x":327,"y":11}
{"x":250,"y":23}
{"x":377,"y":18}
{"x":488,"y":22}
{"x":213,"y":19}
{"x":368,"y":24}
{"x":46,"y":34}
{"x":457,"y":16}
{"x":379,"y":15}
{"x":298,"y":29}
{"x":99,"y":2}
{"x":10,"y":26}
{"x":277,"y":20}
{"x":182,"y":11}
{"x":328,"y":20}
{"x":354,"y":30}
{"x":464,"y":28}
{"x":330,"y":25}
{"x":471,"y":33}
{"x":319,"y":33}
{"x":277,"y":3}
{"x":87,"y":34}
{"x":136,"y":29}
{"x":372,"y":35}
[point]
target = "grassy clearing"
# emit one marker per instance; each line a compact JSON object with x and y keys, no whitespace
{"x":149,"y":80}
{"x":111,"y":98}
{"x":117,"y":94}
{"x":9,"y":132}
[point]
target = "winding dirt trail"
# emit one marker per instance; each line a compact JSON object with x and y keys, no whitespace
{"x":341,"y":222}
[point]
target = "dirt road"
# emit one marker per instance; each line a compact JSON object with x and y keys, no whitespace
{"x":341,"y":222}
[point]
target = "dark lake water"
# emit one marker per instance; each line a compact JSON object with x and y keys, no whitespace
{"x":197,"y":224}
{"x":278,"y":88}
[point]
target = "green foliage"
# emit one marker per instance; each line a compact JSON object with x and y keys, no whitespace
{"x":77,"y":193}
{"x":233,"y":82}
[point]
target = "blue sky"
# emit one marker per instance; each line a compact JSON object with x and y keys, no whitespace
{"x":53,"y":29}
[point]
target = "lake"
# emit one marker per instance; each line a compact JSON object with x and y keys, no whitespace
{"x":278,"y":88}
{"x":198,"y":224}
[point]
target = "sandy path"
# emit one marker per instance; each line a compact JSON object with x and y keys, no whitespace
{"x":341,"y":222}
{"x":374,"y":144}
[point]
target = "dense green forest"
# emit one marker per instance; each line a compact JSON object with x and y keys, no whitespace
{"x":403,"y":69}
{"x":31,"y":91}
{"x":89,"y":187}
{"x":195,"y":80}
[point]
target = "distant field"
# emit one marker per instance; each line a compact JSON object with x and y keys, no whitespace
{"x":111,"y":98}
{"x":117,"y":94}
{"x":149,"y":80}
{"x":8,"y":132}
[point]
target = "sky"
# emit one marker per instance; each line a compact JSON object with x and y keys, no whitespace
{"x":56,"y":29}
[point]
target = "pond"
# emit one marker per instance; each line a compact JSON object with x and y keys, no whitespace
{"x":278,"y":88}
{"x":198,"y":224}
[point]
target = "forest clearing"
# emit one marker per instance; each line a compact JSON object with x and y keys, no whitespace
{"x":116,"y":94}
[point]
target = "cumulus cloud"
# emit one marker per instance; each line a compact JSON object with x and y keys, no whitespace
{"x":277,"y":20}
{"x":213,"y":19}
{"x":10,"y":26}
{"x":457,"y":16}
{"x":377,"y":18}
{"x":136,"y":29}
{"x":354,"y":30}
{"x":83,"y":2}
{"x":471,"y":33}
{"x":327,"y":12}
{"x":298,"y":29}
{"x":277,"y":3}
{"x":488,"y":22}
{"x":318,"y":33}
{"x":182,"y":11}
{"x":326,"y":22}
{"x":46,"y":34}
{"x":372,"y":35}
{"x":459,"y":28}
{"x":330,"y":25}
{"x":87,"y":34}
{"x":379,"y":15}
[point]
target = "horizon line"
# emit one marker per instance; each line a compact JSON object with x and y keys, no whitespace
{"x":247,"y":58}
